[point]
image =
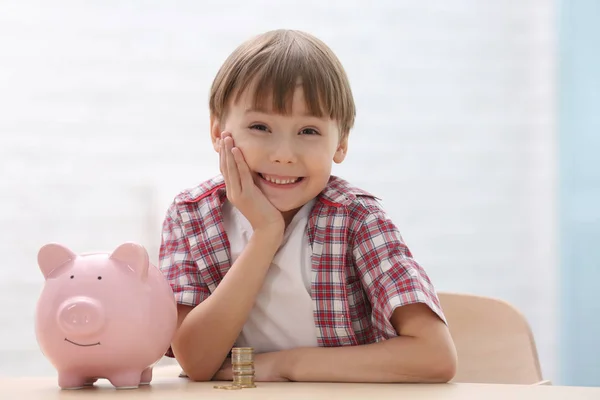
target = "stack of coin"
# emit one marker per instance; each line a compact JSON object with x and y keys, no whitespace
{"x":242,"y":362}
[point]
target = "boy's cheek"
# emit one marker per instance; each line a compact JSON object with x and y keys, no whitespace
{"x":244,"y":143}
{"x":249,"y":152}
{"x":239,"y":138}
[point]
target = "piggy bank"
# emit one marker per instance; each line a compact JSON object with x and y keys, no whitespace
{"x":103,"y":315}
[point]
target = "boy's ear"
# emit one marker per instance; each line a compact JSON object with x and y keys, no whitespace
{"x":215,"y":131}
{"x":342,"y":150}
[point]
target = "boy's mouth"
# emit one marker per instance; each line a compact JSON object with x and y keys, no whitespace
{"x":280,"y":180}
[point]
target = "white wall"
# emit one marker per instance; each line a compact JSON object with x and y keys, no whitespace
{"x":103,"y":119}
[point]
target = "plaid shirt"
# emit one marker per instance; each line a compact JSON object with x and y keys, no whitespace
{"x":362,"y":270}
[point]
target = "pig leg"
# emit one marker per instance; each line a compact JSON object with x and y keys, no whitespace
{"x":70,"y":380}
{"x":127,"y":379}
{"x":146,"y":376}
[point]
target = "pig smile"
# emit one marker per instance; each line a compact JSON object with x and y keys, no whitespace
{"x":82,"y":345}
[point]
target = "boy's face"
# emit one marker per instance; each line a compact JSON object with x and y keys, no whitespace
{"x":290,"y":156}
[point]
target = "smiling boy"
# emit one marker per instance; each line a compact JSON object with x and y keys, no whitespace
{"x":279,"y":255}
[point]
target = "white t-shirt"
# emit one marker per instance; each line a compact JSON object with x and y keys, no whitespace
{"x":282,"y":316}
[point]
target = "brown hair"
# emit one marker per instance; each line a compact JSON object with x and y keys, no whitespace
{"x":273,"y":62}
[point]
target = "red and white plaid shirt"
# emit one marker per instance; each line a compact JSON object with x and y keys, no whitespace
{"x":362,"y":270}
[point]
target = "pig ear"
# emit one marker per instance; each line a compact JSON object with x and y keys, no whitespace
{"x":134,"y":256}
{"x":52,"y":256}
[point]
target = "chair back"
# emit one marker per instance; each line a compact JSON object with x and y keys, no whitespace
{"x":493,"y":340}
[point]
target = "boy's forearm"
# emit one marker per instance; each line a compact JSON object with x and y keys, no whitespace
{"x":209,"y":330}
{"x":400,"y":359}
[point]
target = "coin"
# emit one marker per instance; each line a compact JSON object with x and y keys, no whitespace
{"x":242,"y":349}
{"x":227,"y":387}
{"x":242,"y":355}
{"x":242,"y":365}
{"x":247,"y":386}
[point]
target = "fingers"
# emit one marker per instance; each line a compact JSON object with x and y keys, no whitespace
{"x":222,"y":161}
{"x":220,"y":375}
{"x":225,"y":372}
{"x":244,"y":172}
{"x":231,"y":166}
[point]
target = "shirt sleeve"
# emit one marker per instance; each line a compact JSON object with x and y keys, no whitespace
{"x":390,"y":275}
{"x":177,"y":264}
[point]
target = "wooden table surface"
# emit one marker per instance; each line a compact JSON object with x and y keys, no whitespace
{"x":181,"y":388}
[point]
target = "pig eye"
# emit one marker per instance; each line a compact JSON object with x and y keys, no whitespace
{"x":72,"y":276}
{"x":99,"y":278}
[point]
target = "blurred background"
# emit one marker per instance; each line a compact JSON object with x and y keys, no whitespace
{"x":478,"y":125}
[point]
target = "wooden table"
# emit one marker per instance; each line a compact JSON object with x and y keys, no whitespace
{"x":181,"y":388}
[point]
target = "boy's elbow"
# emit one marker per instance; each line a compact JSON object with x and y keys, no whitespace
{"x":184,"y":355}
{"x":444,"y":365}
{"x":437,"y":364}
{"x":445,"y":371}
{"x":198,"y":376}
{"x":193,"y":371}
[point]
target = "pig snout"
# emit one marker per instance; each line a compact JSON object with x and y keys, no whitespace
{"x":81,"y":316}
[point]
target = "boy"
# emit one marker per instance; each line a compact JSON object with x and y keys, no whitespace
{"x":277,"y":254}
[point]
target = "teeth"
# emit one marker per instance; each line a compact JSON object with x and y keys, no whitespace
{"x":280,"y":181}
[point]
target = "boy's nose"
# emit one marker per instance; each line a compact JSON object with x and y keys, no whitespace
{"x":283,"y":152}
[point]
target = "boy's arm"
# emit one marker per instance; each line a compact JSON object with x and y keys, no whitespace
{"x":424,"y":352}
{"x":209,"y":324}
{"x":405,"y":310}
{"x":208,"y":331}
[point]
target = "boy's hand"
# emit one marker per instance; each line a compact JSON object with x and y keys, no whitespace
{"x":243,"y":193}
{"x":268,"y":367}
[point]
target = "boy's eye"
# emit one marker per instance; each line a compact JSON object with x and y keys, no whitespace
{"x":259,"y":127}
{"x":309,"y":131}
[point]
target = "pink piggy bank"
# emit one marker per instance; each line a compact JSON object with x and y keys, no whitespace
{"x":103,"y":315}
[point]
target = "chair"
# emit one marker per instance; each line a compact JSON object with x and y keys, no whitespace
{"x":493,"y":340}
